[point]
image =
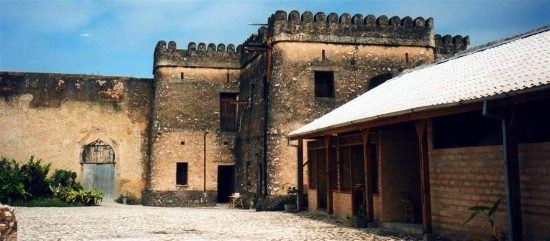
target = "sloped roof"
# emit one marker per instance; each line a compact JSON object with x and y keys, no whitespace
{"x":501,"y":68}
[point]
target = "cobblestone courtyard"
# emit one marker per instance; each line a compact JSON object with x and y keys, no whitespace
{"x":121,"y":222}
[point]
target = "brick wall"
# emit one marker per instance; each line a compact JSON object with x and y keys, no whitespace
{"x":342,"y":205}
{"x":464,"y":177}
{"x":312,"y":199}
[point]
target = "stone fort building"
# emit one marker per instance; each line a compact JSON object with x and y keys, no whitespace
{"x":215,"y":118}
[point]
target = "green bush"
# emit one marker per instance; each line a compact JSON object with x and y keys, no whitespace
{"x":85,"y":198}
{"x":11,"y":178}
{"x":64,"y":178}
{"x":36,"y":183}
{"x":131,"y":199}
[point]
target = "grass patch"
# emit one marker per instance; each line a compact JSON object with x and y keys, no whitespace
{"x":43,"y":202}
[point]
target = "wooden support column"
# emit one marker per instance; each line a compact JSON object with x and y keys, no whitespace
{"x":330,"y":209}
{"x":368,"y":176}
{"x":421,"y":131}
{"x":300,"y":172}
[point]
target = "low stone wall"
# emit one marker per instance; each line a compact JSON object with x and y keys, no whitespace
{"x":179,"y":198}
{"x":8,"y":224}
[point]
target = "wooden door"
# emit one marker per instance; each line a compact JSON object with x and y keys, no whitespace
{"x":98,"y":168}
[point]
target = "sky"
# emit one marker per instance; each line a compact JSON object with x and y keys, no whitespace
{"x":118,"y":37}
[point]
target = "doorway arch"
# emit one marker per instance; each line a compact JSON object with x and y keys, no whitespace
{"x":98,"y":168}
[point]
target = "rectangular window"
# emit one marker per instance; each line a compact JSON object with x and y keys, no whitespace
{"x":345,"y":169}
{"x":466,"y":130}
{"x":373,"y":156}
{"x":181,"y":173}
{"x":357,"y":164}
{"x":473,"y":129}
{"x":228,"y":111}
{"x":312,"y":168}
{"x":324,"y":84}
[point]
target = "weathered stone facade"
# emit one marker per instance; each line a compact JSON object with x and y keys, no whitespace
{"x":53,"y":116}
{"x":175,"y":120}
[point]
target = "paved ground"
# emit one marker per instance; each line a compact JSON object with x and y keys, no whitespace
{"x":121,"y":222}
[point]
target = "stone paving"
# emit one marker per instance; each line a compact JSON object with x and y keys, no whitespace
{"x":124,"y":222}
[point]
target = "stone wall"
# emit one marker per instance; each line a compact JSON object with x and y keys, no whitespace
{"x":251,"y":127}
{"x":446,"y":46}
{"x":53,"y":116}
{"x":8,"y":224}
{"x":292,"y":100}
{"x":185,"y":109}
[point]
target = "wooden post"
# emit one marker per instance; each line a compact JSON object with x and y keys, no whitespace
{"x":330,"y":209}
{"x":300,"y":173}
{"x":421,"y":132}
{"x":368,"y":176}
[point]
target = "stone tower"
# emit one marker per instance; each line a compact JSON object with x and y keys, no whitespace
{"x":234,"y":106}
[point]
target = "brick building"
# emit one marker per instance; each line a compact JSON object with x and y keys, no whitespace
{"x":426,"y":145}
{"x":215,"y":118}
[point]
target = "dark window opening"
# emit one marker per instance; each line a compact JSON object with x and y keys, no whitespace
{"x":373,"y":156}
{"x":181,"y":75}
{"x":324,"y":84}
{"x":228,"y":111}
{"x":378,"y":80}
{"x":465,"y":130}
{"x":181,"y":173}
{"x":406,"y":57}
{"x":312,"y":169}
{"x":534,"y":122}
{"x":345,"y":169}
{"x":323,"y":56}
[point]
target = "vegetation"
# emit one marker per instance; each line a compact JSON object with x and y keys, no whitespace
{"x":28,"y":185}
{"x":35,"y":182}
{"x":489,"y":213}
{"x":131,"y":199}
{"x":12,"y":179}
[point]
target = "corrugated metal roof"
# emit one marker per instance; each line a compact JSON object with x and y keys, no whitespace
{"x":505,"y":67}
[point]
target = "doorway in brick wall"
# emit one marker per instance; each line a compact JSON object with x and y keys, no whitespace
{"x":226,"y":183}
{"x":98,"y":168}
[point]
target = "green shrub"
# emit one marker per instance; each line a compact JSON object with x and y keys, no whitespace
{"x":64,"y":178}
{"x":11,"y":178}
{"x":36,"y":183}
{"x":131,"y":199}
{"x":85,"y":198}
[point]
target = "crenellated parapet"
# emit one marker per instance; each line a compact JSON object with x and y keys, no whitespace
{"x":331,"y":28}
{"x":448,"y":45}
{"x":197,"y":55}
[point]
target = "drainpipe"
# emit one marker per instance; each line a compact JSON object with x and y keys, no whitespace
{"x":514,"y":224}
{"x":204,"y":163}
{"x":266,"y":114}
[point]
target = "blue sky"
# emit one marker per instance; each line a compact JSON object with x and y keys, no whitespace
{"x":118,"y":38}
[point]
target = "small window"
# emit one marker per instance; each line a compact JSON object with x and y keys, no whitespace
{"x":181,"y":173}
{"x":228,"y":111}
{"x":324,"y":84}
{"x":373,"y":155}
{"x":378,"y":80}
{"x":181,"y":75}
{"x":312,"y":168}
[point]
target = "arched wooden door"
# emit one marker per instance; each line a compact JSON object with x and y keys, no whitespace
{"x":98,"y":171}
